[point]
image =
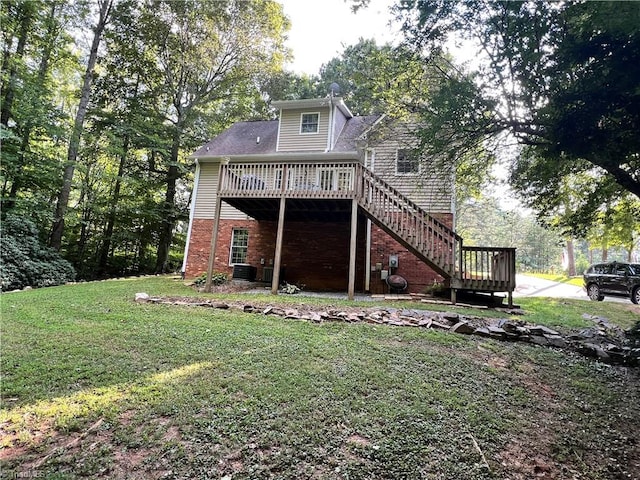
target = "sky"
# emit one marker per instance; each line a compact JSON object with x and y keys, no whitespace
{"x":321,"y":29}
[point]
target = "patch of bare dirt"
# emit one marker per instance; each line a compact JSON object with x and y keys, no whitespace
{"x":524,"y":463}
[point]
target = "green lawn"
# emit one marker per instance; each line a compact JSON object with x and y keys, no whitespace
{"x":97,"y":386}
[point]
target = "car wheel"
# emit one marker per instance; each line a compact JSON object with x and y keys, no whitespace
{"x":635,"y":295}
{"x":594,"y":293}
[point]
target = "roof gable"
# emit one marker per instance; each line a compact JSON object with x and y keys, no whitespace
{"x":260,"y":138}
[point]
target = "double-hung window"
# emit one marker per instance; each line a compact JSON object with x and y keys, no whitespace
{"x":310,"y":122}
{"x":407,"y":162}
{"x":239,"y":246}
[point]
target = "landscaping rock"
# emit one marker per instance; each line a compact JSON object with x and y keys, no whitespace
{"x":542,"y":330}
{"x":142,"y":297}
{"x":556,"y":341}
{"x":450,"y":316}
{"x":496,"y":330}
{"x":462,"y":327}
{"x":482,"y":331}
{"x":538,"y":340}
{"x":604,"y":342}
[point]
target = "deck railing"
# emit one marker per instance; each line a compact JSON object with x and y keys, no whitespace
{"x":488,"y":268}
{"x":294,"y":180}
{"x":472,"y":268}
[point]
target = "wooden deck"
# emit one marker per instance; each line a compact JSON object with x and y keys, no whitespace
{"x":337,"y":190}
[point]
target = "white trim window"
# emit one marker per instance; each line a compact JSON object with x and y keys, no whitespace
{"x":407,"y":162}
{"x":239,"y":246}
{"x":310,"y":122}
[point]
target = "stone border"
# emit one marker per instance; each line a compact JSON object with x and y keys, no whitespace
{"x":604,"y":341}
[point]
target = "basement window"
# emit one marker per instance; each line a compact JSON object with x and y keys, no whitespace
{"x":239,"y":246}
{"x":407,"y":162}
{"x":309,"y":122}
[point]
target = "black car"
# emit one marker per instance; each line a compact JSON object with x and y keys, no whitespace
{"x":613,"y":279}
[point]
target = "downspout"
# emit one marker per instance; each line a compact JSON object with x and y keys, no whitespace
{"x":454,"y":203}
{"x":192,"y":209}
{"x":279,"y":124}
{"x":330,"y":135}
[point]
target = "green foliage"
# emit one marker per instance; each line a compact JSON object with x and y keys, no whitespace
{"x":483,"y":221}
{"x":217,"y":278}
{"x":560,"y":78}
{"x":290,"y":288}
{"x":169,"y":75}
{"x":24,"y":261}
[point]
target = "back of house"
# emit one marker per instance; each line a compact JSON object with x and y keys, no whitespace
{"x":326,"y":198}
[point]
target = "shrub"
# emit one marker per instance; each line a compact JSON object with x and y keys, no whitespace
{"x":291,"y":289}
{"x":436,"y":289}
{"x":25,"y":262}
{"x":217,"y":278}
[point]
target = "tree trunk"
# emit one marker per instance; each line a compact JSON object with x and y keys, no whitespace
{"x":62,"y":203}
{"x":168,"y":208}
{"x":111,"y":219}
{"x":571,"y":259}
{"x":9,"y":90}
{"x":43,"y":68}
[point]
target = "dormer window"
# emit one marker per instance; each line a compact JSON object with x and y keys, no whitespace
{"x":309,"y":122}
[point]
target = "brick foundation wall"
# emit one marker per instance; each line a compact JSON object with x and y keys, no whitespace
{"x":313,"y":253}
{"x":417,"y":273}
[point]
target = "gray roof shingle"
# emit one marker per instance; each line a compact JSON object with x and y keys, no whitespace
{"x":241,"y":138}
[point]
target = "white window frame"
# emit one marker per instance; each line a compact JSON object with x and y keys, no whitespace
{"x":302,"y":115}
{"x":233,"y":248}
{"x":398,"y":172}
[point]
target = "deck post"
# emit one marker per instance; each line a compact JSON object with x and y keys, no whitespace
{"x":453,"y":296}
{"x":212,"y":250}
{"x":275,"y":281}
{"x":352,"y":248}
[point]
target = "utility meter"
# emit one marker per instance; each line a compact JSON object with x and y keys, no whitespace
{"x":393,"y":261}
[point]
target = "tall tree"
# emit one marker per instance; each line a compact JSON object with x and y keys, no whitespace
{"x":62,"y":202}
{"x":561,"y":78}
{"x":207,"y":52}
{"x":23,"y":15}
{"x":31,"y":143}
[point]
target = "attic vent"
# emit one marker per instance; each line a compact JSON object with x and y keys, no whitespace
{"x":257,"y":139}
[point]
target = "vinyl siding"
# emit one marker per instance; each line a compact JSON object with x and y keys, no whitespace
{"x":431,"y":188}
{"x":291,"y":140}
{"x":339,"y":121}
{"x":205,"y":201}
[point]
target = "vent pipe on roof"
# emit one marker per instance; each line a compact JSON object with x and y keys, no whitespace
{"x":257,"y":139}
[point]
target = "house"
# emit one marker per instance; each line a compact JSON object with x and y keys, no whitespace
{"x":333,"y":201}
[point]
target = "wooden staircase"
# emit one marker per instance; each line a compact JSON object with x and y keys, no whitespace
{"x":481,"y":269}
